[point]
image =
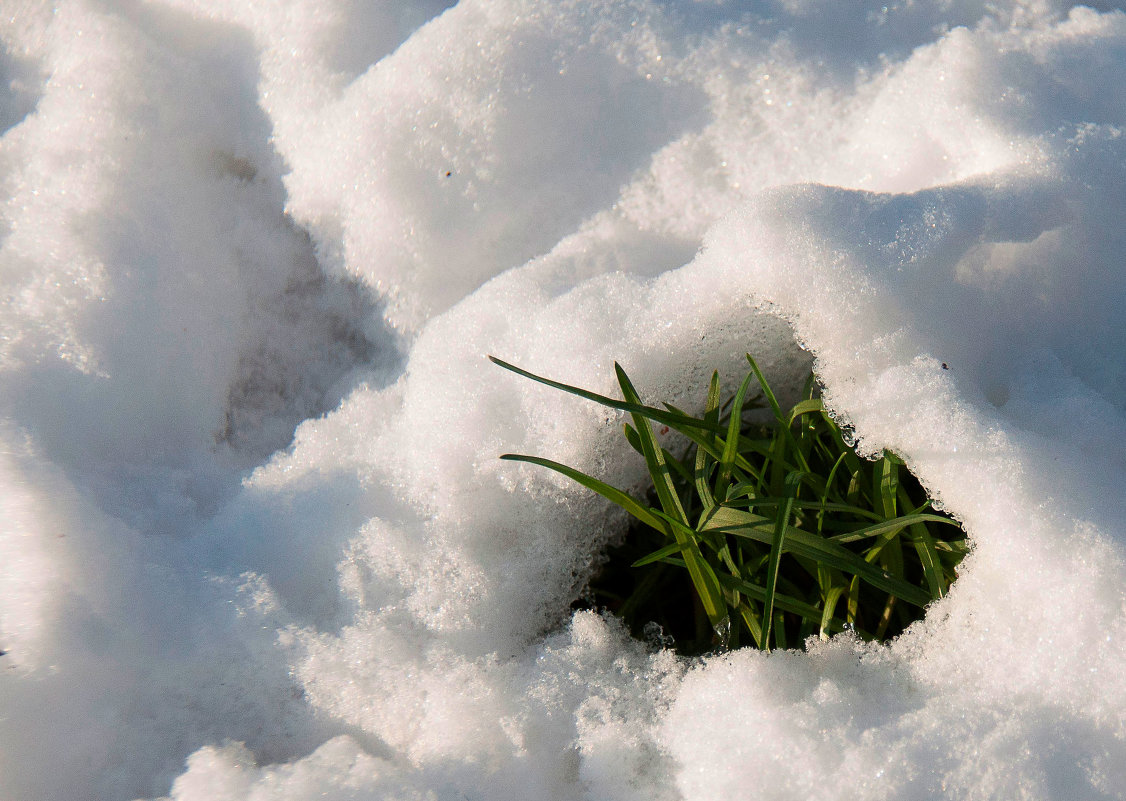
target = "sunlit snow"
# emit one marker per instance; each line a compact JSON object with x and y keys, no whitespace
{"x":255,"y":542}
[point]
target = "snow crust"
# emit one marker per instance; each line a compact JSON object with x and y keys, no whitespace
{"x":255,"y":542}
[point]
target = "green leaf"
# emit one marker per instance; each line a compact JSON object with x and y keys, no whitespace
{"x":887,"y":474}
{"x":756,"y":497}
{"x":766,"y":391}
{"x":678,"y":467}
{"x":802,"y":543}
{"x":928,"y":556}
{"x":654,"y":457}
{"x":642,"y":513}
{"x":806,"y":407}
{"x":890,"y":527}
{"x":853,"y":604}
{"x":831,"y":598}
{"x":669,"y":418}
{"x":779,"y":631}
{"x":701,"y":474}
{"x":751,"y":619}
{"x":731,"y":446}
{"x":781,"y":523}
{"x":705,"y":437}
{"x":828,"y":489}
{"x":659,"y":554}
{"x":632,"y":438}
{"x":703,"y":578}
{"x":700,"y":478}
{"x":779,"y":450}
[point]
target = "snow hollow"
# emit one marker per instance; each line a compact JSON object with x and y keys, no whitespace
{"x":255,"y":542}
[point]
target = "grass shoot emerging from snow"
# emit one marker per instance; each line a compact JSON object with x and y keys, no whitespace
{"x":765,"y":533}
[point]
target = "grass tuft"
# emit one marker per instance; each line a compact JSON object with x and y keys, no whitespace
{"x":764,"y":534}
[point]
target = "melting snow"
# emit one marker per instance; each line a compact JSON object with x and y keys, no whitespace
{"x":254,"y":538}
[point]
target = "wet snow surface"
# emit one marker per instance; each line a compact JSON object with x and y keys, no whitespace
{"x":254,"y":538}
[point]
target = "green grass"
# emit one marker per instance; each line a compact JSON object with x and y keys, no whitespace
{"x":764,"y":533}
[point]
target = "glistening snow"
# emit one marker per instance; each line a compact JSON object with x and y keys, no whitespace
{"x":255,"y":541}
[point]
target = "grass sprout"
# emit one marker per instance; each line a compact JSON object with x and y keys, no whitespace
{"x":764,"y":533}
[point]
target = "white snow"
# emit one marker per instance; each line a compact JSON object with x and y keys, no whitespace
{"x":255,"y":542}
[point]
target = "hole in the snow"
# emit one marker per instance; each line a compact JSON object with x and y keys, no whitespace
{"x":765,"y":531}
{"x":20,"y":89}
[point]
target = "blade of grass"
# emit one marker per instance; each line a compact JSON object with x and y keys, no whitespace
{"x":766,"y":391}
{"x":758,"y":593}
{"x":777,"y":410}
{"x":703,"y":577}
{"x":679,"y":468}
{"x":700,"y":476}
{"x":928,"y":556}
{"x":806,"y":407}
{"x":761,"y":529}
{"x":731,"y":446}
{"x":887,"y":474}
{"x":637,"y":510}
{"x":740,"y":462}
{"x":659,"y":555}
{"x":779,"y":630}
{"x":885,"y":618}
{"x":751,"y":620}
{"x":828,"y":490}
{"x":706,"y":438}
{"x":853,"y":612}
{"x":829,"y":608}
{"x":793,"y":481}
{"x":669,"y":418}
{"x":654,"y":457}
{"x":890,"y":527}
{"x":630,"y":433}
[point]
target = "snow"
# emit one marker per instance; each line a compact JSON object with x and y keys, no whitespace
{"x":255,"y":541}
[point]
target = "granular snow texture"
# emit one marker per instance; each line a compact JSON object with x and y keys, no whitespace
{"x":255,"y":542}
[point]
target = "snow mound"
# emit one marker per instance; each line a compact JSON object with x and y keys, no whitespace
{"x":255,"y":541}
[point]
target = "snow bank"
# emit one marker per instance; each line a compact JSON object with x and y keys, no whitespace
{"x":221,"y":220}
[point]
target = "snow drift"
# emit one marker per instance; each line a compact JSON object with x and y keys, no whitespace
{"x":255,"y":539}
